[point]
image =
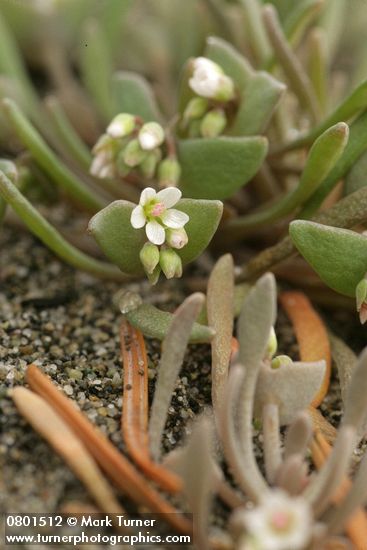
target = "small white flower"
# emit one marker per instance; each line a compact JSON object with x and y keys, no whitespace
{"x":154,"y":211}
{"x":208,"y":80}
{"x":151,"y":136}
{"x":280,"y":522}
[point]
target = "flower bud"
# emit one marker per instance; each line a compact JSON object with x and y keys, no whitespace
{"x":9,"y":169}
{"x":170,"y":263}
{"x":102,"y":165}
{"x":149,"y":257}
{"x":213,"y":123}
{"x":176,"y":238}
{"x":104,"y":143}
{"x":122,"y":168}
{"x":280,"y":361}
{"x":151,"y":135}
{"x":169,"y":172}
{"x":196,"y":108}
{"x":122,"y":125}
{"x":361,"y":299}
{"x":209,"y":81}
{"x":272,"y":344}
{"x":133,"y":154}
{"x":149,"y":164}
{"x":154,"y":277}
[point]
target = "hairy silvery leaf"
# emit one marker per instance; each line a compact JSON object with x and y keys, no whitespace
{"x":292,"y":387}
{"x":121,"y":243}
{"x":173,"y":351}
{"x":198,"y":472}
{"x":220,"y":317}
{"x":355,"y":401}
{"x":215,"y":168}
{"x":298,"y":435}
{"x":134,"y":95}
{"x":339,"y":256}
{"x":256,"y":320}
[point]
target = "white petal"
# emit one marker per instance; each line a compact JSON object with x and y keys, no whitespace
{"x":174,"y":218}
{"x":146,"y":195}
{"x":169,"y":196}
{"x":138,"y":217}
{"x":155,"y":232}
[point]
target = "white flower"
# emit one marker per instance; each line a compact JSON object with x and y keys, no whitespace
{"x":154,"y":211}
{"x":280,"y":522}
{"x":208,"y":80}
{"x":151,"y":136}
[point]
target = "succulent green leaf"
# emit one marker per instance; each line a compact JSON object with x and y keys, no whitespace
{"x":121,"y":243}
{"x":339,"y":256}
{"x":96,"y":66}
{"x":49,"y":162}
{"x":356,"y":146}
{"x":356,"y":177}
{"x":257,"y":103}
{"x":231,"y":61}
{"x":216,"y":168}
{"x":133,"y":94}
{"x":154,"y":323}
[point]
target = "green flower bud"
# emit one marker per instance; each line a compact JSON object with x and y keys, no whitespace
{"x":280,"y":361}
{"x":176,"y":238}
{"x":9,"y":169}
{"x":170,"y":263}
{"x":104,"y":143}
{"x":169,"y":172}
{"x":149,"y":257}
{"x":196,"y":108}
{"x":149,"y":164}
{"x":151,"y":135}
{"x":122,"y":125}
{"x":213,"y":123}
{"x":122,"y":168}
{"x":133,"y":154}
{"x":272,"y":344}
{"x":193,"y":130}
{"x":226,"y":90}
{"x":154,"y":277}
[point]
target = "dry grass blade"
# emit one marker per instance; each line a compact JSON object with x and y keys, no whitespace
{"x":57,"y":433}
{"x":220,"y":296}
{"x":311,"y":335}
{"x":134,"y":420}
{"x":356,"y":526}
{"x":173,"y":351}
{"x":115,"y":465}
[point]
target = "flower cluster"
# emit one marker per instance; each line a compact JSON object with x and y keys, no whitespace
{"x":205,"y":115}
{"x":164,"y":225}
{"x":279,"y":522}
{"x":131,"y":145}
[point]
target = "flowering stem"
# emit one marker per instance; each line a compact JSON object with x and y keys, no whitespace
{"x":46,"y":158}
{"x":40,"y":227}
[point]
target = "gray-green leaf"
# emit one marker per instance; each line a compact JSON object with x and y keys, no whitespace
{"x":121,"y":243}
{"x":133,"y":94}
{"x":216,"y":168}
{"x":339,"y":256}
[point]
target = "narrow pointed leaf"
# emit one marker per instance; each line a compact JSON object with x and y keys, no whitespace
{"x":356,"y":177}
{"x":216,"y":168}
{"x":133,"y":94}
{"x":339,"y":256}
